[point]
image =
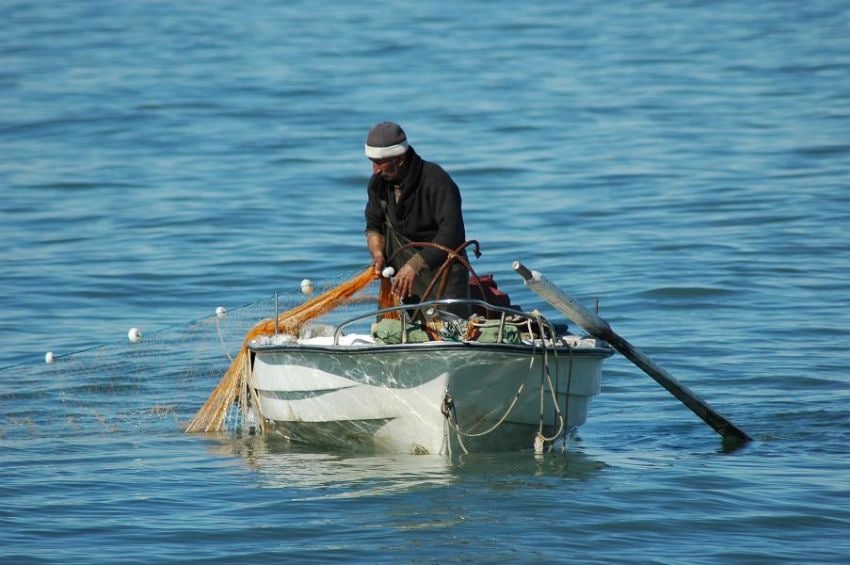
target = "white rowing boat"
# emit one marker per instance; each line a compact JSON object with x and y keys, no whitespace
{"x":429,"y":382}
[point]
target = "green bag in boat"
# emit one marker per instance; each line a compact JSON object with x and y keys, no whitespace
{"x":489,"y":333}
{"x":388,"y":332}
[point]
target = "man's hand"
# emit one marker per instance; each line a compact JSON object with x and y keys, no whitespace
{"x":403,"y":281}
{"x":378,"y":264}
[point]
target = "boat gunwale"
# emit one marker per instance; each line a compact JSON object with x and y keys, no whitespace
{"x":524,"y":349}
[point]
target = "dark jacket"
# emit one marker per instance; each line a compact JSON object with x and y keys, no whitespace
{"x":429,"y":208}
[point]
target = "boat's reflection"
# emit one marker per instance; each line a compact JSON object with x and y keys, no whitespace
{"x":340,"y":474}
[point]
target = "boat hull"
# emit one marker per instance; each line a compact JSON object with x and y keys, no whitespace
{"x":433,"y":397}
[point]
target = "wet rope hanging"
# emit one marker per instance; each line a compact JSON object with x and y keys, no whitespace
{"x":545,"y":373}
{"x":451,"y":418}
{"x":451,"y":415}
{"x":545,"y":378}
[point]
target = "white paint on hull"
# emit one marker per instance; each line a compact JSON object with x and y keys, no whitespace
{"x":390,"y":397}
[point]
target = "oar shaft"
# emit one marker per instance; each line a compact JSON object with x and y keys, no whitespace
{"x":599,"y":328}
{"x":685,"y":395}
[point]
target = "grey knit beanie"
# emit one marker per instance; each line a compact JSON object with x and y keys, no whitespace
{"x":386,"y":139}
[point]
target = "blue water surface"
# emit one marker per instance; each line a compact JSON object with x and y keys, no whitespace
{"x":683,"y":164}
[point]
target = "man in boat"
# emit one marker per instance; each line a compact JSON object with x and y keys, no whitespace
{"x":412,"y":200}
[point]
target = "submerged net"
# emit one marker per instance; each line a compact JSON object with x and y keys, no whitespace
{"x":119,"y":386}
{"x":233,"y":385}
{"x":153,"y":386}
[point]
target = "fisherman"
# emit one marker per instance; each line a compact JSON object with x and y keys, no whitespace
{"x":412,"y":200}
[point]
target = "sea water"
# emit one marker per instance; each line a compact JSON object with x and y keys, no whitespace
{"x":684,"y":165}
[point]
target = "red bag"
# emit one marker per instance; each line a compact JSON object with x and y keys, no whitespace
{"x":491,"y":293}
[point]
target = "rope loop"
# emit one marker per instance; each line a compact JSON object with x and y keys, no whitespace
{"x":452,"y":256}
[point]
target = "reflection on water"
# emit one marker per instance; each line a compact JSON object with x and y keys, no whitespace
{"x":310,"y":473}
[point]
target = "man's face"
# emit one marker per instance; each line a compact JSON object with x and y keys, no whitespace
{"x":388,"y":168}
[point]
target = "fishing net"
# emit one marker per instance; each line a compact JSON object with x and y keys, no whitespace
{"x":234,"y":383}
{"x":157,"y":384}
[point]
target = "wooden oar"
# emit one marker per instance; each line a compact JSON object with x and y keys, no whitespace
{"x":599,"y":328}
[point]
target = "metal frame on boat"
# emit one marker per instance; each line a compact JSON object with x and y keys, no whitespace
{"x":345,"y":388}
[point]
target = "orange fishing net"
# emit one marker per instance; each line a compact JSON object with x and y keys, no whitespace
{"x":386,"y":299}
{"x":211,"y":417}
